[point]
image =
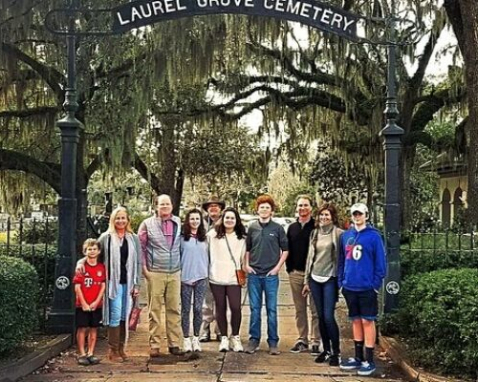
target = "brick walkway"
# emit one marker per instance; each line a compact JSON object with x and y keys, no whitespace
{"x":212,"y":366}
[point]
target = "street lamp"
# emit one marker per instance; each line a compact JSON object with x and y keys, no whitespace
{"x":61,"y":318}
{"x":392,"y":134}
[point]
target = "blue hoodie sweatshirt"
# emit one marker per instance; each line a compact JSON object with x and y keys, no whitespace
{"x":362,"y":265}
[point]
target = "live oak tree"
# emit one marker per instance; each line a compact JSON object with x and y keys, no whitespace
{"x":118,"y":94}
{"x":307,"y":85}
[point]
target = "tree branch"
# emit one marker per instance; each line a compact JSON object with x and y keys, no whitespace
{"x":417,"y":79}
{"x":48,"y":172}
{"x":142,"y":168}
{"x":52,"y":77}
{"x":30,"y":112}
{"x":430,"y":105}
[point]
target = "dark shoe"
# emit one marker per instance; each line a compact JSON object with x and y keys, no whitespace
{"x":83,"y":361}
{"x":334,"y":360}
{"x":251,"y":347}
{"x":205,"y":337}
{"x":315,"y":350}
{"x":366,"y":369}
{"x":299,"y":347}
{"x":274,"y":350}
{"x":175,"y":351}
{"x":154,"y":353}
{"x":93,"y":360}
{"x":351,"y":364}
{"x":322,"y":357}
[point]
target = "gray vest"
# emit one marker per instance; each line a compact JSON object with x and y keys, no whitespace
{"x":160,"y":256}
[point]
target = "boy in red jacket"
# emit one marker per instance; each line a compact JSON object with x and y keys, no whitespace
{"x":89,"y":289}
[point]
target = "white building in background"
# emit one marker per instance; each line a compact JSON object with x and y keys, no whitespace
{"x":453,"y":186}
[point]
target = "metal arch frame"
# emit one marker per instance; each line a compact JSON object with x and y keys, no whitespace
{"x":61,"y":318}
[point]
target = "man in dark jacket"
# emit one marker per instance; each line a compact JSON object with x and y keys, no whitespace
{"x":298,"y":236}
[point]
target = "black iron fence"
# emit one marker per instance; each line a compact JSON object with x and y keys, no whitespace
{"x":423,"y":252}
{"x":441,"y":240}
{"x":35,"y":241}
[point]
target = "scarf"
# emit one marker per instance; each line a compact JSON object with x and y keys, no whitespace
{"x":114,"y":259}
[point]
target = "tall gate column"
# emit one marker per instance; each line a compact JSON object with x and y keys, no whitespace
{"x":392,"y":145}
{"x":61,"y":318}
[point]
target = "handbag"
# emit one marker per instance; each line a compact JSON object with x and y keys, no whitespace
{"x":134,"y":316}
{"x":240,"y":274}
{"x":241,"y":277}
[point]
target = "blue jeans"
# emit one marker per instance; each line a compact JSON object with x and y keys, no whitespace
{"x":325,"y":297}
{"x":118,"y":306}
{"x":256,"y":287}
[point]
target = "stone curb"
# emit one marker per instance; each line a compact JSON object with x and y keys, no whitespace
{"x":36,"y":359}
{"x":397,"y":353}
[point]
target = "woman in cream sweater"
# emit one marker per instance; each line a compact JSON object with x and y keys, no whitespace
{"x":227,"y":246}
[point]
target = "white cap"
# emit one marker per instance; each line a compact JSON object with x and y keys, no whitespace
{"x":359,"y":207}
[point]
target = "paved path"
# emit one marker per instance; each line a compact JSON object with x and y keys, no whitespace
{"x":212,"y":366}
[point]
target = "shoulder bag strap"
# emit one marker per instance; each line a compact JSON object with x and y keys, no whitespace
{"x":230,"y":252}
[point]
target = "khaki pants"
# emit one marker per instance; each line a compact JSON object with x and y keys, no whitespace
{"x":165,"y":286}
{"x":296,"y":280}
{"x":209,"y":313}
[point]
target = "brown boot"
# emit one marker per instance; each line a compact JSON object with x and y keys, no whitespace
{"x":122,"y":341}
{"x":114,"y":343}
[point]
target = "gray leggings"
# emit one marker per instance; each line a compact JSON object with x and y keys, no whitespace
{"x":199,"y":289}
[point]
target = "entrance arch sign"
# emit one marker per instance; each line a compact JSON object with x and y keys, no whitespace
{"x":309,"y":12}
{"x":140,"y":13}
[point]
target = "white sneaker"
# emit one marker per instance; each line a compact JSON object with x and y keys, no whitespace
{"x":187,"y":346}
{"x":236,"y":344}
{"x":224,"y":345}
{"x":196,"y":344}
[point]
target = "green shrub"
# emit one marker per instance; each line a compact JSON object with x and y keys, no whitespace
{"x":43,"y":262}
{"x":18,"y":297}
{"x":439,"y":313}
{"x":415,"y":262}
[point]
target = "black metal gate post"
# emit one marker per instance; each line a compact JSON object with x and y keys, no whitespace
{"x":392,"y":146}
{"x":61,"y":318}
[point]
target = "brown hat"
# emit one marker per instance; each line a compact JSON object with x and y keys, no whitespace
{"x":213,"y":200}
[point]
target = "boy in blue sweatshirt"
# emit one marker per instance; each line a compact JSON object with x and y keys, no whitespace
{"x":361,"y":270}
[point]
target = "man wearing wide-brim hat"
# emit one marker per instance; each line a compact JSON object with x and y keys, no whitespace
{"x":213,"y":206}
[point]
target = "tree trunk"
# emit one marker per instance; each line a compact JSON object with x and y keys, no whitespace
{"x":463,"y":15}
{"x":407,"y":161}
{"x":168,"y":160}
{"x":178,"y":191}
{"x":81,"y":193}
{"x":407,"y":157}
{"x":469,"y":12}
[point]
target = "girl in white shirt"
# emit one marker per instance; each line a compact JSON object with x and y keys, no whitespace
{"x":227,"y":246}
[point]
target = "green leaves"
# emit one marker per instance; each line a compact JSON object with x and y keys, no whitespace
{"x":18,"y":296}
{"x":438,"y":311}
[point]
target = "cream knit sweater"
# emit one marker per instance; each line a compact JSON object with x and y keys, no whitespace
{"x":222,"y":270}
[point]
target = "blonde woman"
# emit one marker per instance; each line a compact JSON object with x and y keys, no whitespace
{"x":121,"y":256}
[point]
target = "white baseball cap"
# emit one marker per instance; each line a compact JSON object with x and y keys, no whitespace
{"x":359,"y":207}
